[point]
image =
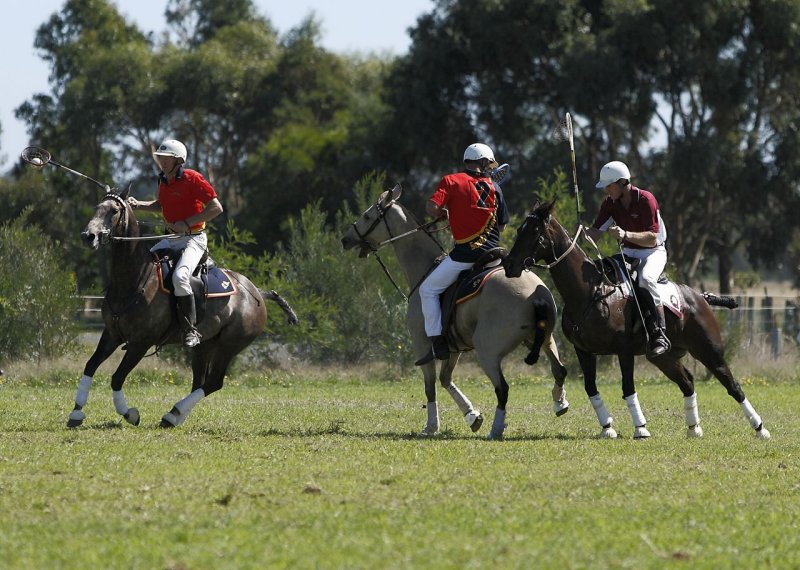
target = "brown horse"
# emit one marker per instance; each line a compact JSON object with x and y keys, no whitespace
{"x":598,"y":318}
{"x":494,"y":323}
{"x":137,"y":313}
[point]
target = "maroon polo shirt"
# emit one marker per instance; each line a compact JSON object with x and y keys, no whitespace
{"x":642,"y":216}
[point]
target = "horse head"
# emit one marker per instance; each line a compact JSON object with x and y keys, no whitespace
{"x":372,"y":228}
{"x":533,"y":241}
{"x":112,"y":216}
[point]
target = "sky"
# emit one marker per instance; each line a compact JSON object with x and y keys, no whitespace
{"x":347,"y":26}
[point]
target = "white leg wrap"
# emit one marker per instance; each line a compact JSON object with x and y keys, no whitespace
{"x":603,"y":416}
{"x":498,"y":424}
{"x":119,"y":402}
{"x":83,"y":390}
{"x":750,"y":414}
{"x":432,"y":427}
{"x":460,"y":399}
{"x":690,"y":408}
{"x":636,"y":410}
{"x":186,"y":405}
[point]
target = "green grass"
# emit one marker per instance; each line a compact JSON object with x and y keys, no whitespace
{"x":295,"y":472}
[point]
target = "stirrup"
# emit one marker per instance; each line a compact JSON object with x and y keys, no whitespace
{"x":658,"y":345}
{"x":191,"y":338}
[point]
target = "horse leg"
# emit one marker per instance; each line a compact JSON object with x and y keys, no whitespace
{"x":626,"y":366}
{"x":704,"y":341}
{"x":105,"y":348}
{"x":588,"y":363}
{"x":206,"y":378}
{"x":132,"y":357}
{"x":710,"y":355}
{"x":491,"y":366}
{"x":559,"y":371}
{"x":678,"y":373}
{"x":472,"y":415}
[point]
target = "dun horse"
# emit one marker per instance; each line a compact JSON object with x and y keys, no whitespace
{"x":494,"y":322}
{"x":599,"y":319}
{"x":139,"y":314}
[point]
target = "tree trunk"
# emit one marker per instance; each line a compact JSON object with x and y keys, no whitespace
{"x":725,"y":268}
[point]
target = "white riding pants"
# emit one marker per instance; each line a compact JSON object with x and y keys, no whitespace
{"x":650,"y":269}
{"x":433,"y":286}
{"x":194,"y":246}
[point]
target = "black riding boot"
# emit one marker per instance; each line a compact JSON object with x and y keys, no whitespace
{"x":439,"y":349}
{"x":187,"y":316}
{"x":659,"y":343}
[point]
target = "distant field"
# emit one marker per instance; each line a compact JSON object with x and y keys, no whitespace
{"x":329,"y":473}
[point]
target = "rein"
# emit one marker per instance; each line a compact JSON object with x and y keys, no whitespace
{"x":374,"y":248}
{"x":561,"y":257}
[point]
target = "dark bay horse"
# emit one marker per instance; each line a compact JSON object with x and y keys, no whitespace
{"x":494,"y":323}
{"x":599,"y":319}
{"x":138,"y":314}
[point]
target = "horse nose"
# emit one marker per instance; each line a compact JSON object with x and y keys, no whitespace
{"x":509,"y":267}
{"x":89,"y":238}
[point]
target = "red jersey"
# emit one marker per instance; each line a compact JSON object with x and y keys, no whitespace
{"x":476,"y":207}
{"x":641,"y":216}
{"x":185,"y":196}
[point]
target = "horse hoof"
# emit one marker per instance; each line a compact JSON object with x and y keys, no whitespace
{"x":763,"y":433}
{"x":429,"y":431}
{"x":169,"y":421}
{"x":132,"y":416}
{"x":474,"y":420}
{"x":694,"y":431}
{"x":560,"y":408}
{"x":641,"y":432}
{"x":608,"y":433}
{"x":76,"y":418}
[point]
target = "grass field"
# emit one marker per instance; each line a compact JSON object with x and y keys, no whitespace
{"x":294,"y":472}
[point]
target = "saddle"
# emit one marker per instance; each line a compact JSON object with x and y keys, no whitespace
{"x":468,"y":284}
{"x":207,"y":280}
{"x":614,"y":270}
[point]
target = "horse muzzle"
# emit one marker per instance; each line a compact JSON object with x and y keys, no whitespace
{"x":512,"y":269}
{"x":95,"y":239}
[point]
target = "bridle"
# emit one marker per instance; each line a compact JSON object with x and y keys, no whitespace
{"x":529,"y":262}
{"x":108,"y":235}
{"x":382,"y":211}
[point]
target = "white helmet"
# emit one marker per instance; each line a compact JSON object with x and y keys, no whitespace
{"x":478,"y":151}
{"x":612,"y":172}
{"x":171,"y":147}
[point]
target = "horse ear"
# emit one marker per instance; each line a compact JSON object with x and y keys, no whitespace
{"x":124,"y":194}
{"x":390,"y":196}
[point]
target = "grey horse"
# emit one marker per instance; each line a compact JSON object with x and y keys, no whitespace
{"x":494,"y":323}
{"x":138,"y":314}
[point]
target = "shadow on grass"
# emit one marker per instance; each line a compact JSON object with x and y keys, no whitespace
{"x":445,"y":435}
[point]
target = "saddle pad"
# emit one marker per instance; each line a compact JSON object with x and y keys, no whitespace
{"x":219,"y":282}
{"x":671,"y":298}
{"x":468,"y":288}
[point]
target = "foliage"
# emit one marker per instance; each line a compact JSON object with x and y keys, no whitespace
{"x":703,"y":107}
{"x":37,"y":307}
{"x":348,"y":310}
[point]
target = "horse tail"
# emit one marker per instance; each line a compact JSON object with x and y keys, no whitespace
{"x":540,"y":319}
{"x":720,"y":300}
{"x":291,"y":316}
